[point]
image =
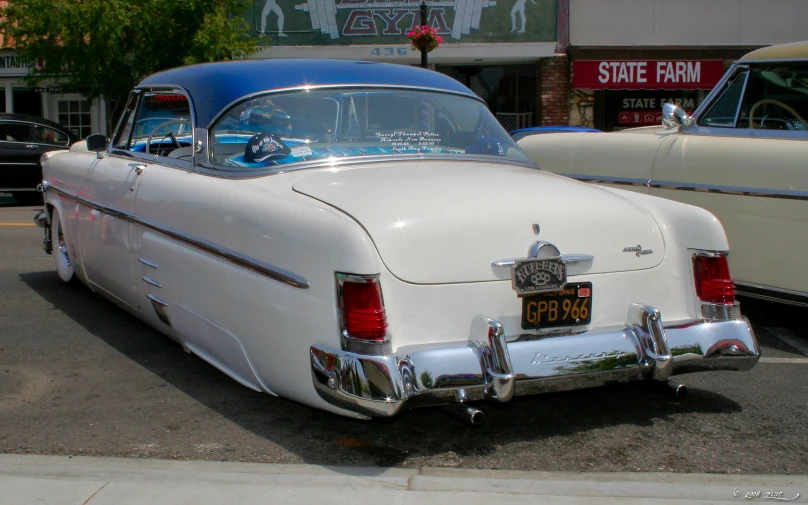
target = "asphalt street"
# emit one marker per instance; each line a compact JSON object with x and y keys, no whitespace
{"x":79,"y":376}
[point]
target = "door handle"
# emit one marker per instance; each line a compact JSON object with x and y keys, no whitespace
{"x":139,"y":167}
{"x":31,"y":146}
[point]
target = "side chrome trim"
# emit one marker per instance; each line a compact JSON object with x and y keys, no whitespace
{"x":230,"y":255}
{"x":156,"y":300}
{"x":605,"y":179}
{"x":761,"y":292}
{"x":147,"y":263}
{"x":688,"y":186}
{"x":151,"y":281}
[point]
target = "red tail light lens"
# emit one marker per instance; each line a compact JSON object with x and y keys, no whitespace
{"x":713,"y":283}
{"x":363,"y":310}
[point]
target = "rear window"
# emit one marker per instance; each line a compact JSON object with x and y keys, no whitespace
{"x":299,"y":126}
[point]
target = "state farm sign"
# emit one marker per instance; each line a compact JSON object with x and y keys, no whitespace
{"x":646,"y":74}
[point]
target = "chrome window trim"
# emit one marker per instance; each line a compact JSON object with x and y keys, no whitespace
{"x":743,"y":94}
{"x":714,"y":94}
{"x":141,"y":92}
{"x":319,"y":87}
{"x":685,"y":186}
{"x":185,"y":165}
{"x":250,"y":263}
{"x":226,"y":173}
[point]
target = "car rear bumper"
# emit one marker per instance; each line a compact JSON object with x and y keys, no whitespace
{"x":490,"y":365}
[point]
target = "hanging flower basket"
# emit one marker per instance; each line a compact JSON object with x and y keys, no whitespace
{"x":424,"y":37}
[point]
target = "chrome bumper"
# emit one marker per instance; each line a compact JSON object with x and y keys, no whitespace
{"x":490,"y":365}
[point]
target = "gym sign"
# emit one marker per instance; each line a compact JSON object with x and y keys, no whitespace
{"x":316,"y":22}
{"x":646,"y":74}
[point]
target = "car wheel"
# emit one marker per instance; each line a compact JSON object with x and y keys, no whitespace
{"x":61,"y":258}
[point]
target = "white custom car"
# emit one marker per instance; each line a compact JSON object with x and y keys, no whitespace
{"x":743,"y":156}
{"x":363,"y":237}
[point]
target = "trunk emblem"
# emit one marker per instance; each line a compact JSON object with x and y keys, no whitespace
{"x":638,"y":250}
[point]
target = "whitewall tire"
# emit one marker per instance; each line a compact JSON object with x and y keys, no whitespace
{"x":61,"y":257}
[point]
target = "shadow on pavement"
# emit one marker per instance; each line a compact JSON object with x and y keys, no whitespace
{"x":321,"y":438}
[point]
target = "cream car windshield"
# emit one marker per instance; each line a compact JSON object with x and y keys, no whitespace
{"x":283,"y":128}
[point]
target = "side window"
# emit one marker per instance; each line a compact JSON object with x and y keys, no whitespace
{"x":724,"y":108}
{"x":776,"y":98}
{"x":121,"y":139}
{"x":162,"y":123}
{"x":15,"y":132}
{"x":45,"y":135}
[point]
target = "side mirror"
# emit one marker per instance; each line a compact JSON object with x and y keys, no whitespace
{"x":96,"y":142}
{"x":673,"y":115}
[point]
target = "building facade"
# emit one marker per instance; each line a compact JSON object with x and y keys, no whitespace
{"x":498,"y":48}
{"x":629,"y":57}
{"x":605,"y":64}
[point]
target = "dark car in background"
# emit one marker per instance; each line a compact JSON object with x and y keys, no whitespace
{"x":23,"y":139}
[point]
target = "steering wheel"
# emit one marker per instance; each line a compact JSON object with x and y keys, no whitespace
{"x":779,"y":104}
{"x":164,"y":124}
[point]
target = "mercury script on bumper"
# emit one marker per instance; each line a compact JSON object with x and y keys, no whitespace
{"x":545,"y":359}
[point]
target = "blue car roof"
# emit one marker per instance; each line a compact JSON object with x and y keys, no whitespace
{"x":212,"y":86}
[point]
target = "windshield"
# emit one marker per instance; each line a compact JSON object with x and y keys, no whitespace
{"x":303,"y":126}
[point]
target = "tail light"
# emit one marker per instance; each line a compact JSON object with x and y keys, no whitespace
{"x":713,"y":283}
{"x":362,"y":307}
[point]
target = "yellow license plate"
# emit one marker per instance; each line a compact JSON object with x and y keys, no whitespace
{"x":572,"y":306}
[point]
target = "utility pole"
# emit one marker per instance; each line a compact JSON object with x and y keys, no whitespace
{"x":424,"y":17}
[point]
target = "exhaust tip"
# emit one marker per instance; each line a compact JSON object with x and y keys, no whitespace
{"x":467,"y":414}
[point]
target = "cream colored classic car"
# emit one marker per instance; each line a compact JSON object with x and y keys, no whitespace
{"x":363,"y":237}
{"x":743,"y":156}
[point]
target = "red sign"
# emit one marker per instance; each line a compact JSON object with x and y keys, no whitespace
{"x":646,"y":74}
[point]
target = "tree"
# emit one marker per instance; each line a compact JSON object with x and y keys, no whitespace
{"x":102,"y":48}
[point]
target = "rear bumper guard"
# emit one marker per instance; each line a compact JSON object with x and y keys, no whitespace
{"x":493,"y":366}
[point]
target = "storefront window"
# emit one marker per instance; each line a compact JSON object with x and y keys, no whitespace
{"x":630,"y":109}
{"x":27,"y":102}
{"x":509,"y":90}
{"x":75,"y":115}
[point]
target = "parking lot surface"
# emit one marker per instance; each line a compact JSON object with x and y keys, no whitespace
{"x":79,"y":376}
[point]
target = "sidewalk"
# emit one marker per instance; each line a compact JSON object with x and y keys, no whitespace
{"x":82,"y":480}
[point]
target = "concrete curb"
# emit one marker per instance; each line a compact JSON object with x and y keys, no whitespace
{"x":100,"y":481}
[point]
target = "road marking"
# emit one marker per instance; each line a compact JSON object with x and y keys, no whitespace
{"x":793,"y":361}
{"x":790,"y":339}
{"x":17,"y":224}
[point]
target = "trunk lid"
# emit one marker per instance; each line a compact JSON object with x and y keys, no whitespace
{"x":439,"y":222}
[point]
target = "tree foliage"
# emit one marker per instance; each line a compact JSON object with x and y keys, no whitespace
{"x":102,"y":48}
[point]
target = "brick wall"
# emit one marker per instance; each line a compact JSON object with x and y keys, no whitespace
{"x":554,"y":89}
